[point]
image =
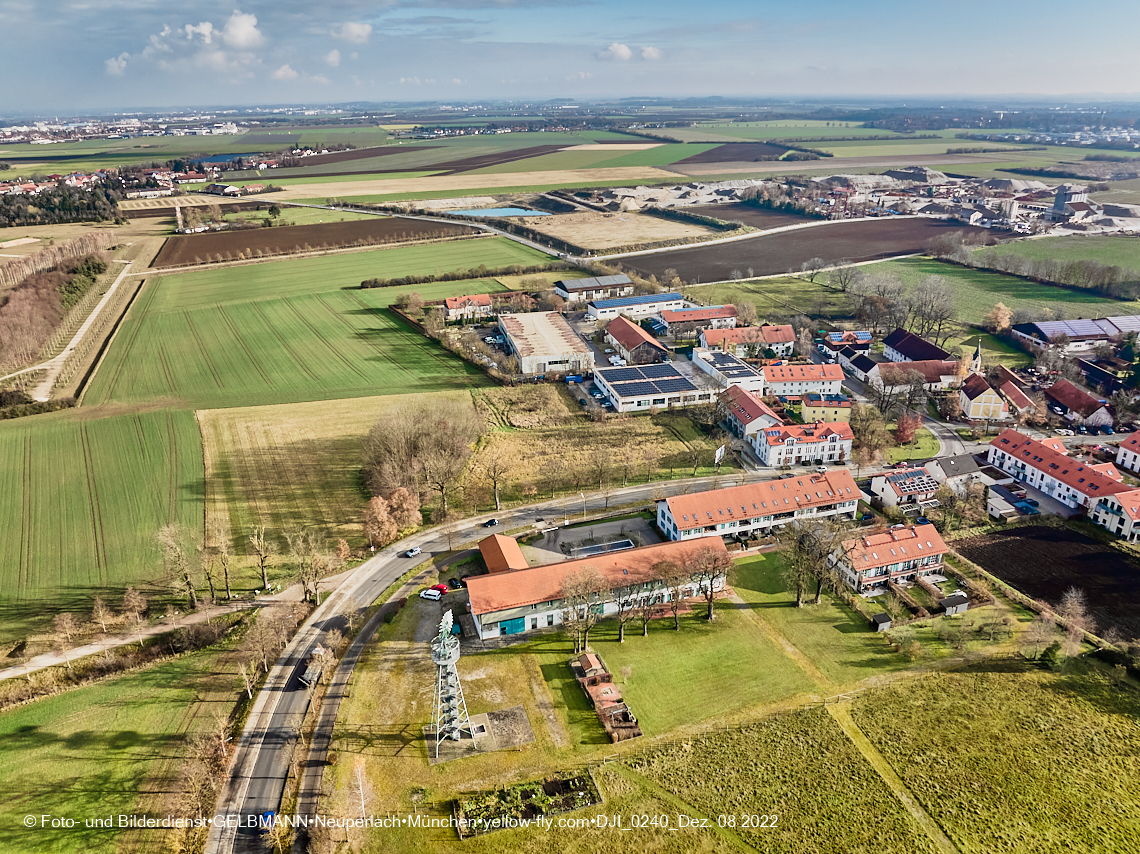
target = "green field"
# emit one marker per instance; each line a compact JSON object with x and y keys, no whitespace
{"x":1041,"y":761}
{"x":290,"y":331}
{"x":1115,"y":250}
{"x":80,"y":502}
{"x":291,"y":215}
{"x":111,"y":748}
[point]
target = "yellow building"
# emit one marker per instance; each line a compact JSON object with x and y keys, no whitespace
{"x":825,"y":407}
{"x":980,"y":402}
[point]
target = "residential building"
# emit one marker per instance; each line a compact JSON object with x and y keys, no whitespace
{"x":895,"y":376}
{"x":908,"y":486}
{"x":544,"y":343}
{"x":1016,"y":397}
{"x":979,"y":402}
{"x":1128,"y":453}
{"x":467,"y":307}
{"x":645,"y":387}
{"x":709,"y":317}
{"x":859,"y":365}
{"x":1046,"y":466}
{"x":751,"y":341}
{"x":1119,"y":513}
{"x":633,"y":343}
{"x":1077,"y":405}
{"x":798,"y":380}
{"x":634,"y":307}
{"x":903,"y":346}
{"x":960,"y":472}
{"x":530,"y":599}
{"x":726,"y":370}
{"x":502,"y":554}
{"x":859,"y":341}
{"x":757,"y":508}
{"x":898,"y":555}
{"x":747,"y":413}
{"x":804,"y":444}
{"x":825,"y":407}
{"x":598,"y":287}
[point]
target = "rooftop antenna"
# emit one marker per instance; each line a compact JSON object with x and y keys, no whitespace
{"x":449,"y":717}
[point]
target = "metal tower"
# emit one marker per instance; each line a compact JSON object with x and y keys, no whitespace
{"x":449,"y":711}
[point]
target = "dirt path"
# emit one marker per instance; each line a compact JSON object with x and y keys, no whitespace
{"x":545,"y":703}
{"x":783,"y":643}
{"x":842,"y":714}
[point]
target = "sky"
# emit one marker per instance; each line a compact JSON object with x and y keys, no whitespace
{"x":118,"y":54}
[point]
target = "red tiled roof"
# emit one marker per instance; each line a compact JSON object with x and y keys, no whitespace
{"x":747,"y":407}
{"x":701,"y":509}
{"x":502,"y":554}
{"x":892,"y":373}
{"x":791,"y":373}
{"x":735,"y":336}
{"x":1046,"y":458}
{"x":1020,"y":400}
{"x":478,"y":300}
{"x":1129,"y":502}
{"x":1132,"y":443}
{"x":685,"y":315}
{"x":975,"y":386}
{"x":505,"y":590}
{"x":778,"y":333}
{"x":1071,"y":397}
{"x":630,"y":335}
{"x":808,"y":433}
{"x":894,"y":546}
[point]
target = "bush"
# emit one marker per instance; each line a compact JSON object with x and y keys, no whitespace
{"x":1051,"y":657}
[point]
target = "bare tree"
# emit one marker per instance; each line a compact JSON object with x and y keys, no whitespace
{"x":496,"y":465}
{"x":1074,"y":610}
{"x":746,"y":314}
{"x":644,"y":609}
{"x":65,"y":626}
{"x":843,"y":275}
{"x":582,"y":592}
{"x":360,"y":787}
{"x":812,"y":268}
{"x":182,"y":557}
{"x":100,"y":613}
{"x":264,"y":548}
{"x":222,"y":551}
{"x":310,"y":555}
{"x":134,"y":606}
{"x":869,"y":431}
{"x":709,"y":568}
{"x":247,"y":677}
{"x":625,"y":596}
{"x":933,"y":309}
{"x":599,"y":465}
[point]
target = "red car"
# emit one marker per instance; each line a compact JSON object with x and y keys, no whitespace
{"x":442,"y":588}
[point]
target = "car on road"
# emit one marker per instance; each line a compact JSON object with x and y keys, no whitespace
{"x":490,"y":523}
{"x":1082,"y":429}
{"x":413,"y":551}
{"x":432,"y":594}
{"x":1108,"y":431}
{"x":1061,"y":431}
{"x":903,"y":465}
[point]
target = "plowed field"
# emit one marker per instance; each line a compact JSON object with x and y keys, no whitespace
{"x":186,"y":249}
{"x":755,"y":217}
{"x":1045,"y":562}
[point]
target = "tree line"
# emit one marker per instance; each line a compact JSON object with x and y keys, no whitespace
{"x":59,"y":204}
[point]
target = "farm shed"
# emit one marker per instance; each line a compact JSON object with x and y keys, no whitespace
{"x":544,"y":343}
{"x":634,"y":344}
{"x":881,"y":622}
{"x":956,"y":603}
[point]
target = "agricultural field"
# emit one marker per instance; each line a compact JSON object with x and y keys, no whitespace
{"x":293,"y":215}
{"x":755,"y":217}
{"x":1044,"y":562}
{"x":80,"y":502}
{"x":110,"y":748}
{"x":191,"y":249}
{"x":780,"y":253}
{"x":1115,"y":250}
{"x":594,"y":230}
{"x":1041,"y":761}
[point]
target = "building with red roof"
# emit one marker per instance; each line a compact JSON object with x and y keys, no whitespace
{"x":898,"y":555}
{"x":502,"y":554}
{"x":748,"y":414}
{"x":1128,"y":453}
{"x":708,"y":317}
{"x":634,"y":343}
{"x":1119,"y":514}
{"x":751,"y":341}
{"x":1016,"y":397}
{"x":1078,"y":405}
{"x":467,"y":307}
{"x":801,"y":444}
{"x":798,"y":380}
{"x":1046,"y":466}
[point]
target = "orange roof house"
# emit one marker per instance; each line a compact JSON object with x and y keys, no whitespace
{"x":502,"y":554}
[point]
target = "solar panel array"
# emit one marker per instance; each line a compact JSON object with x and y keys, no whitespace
{"x":729,"y":365}
{"x":619,"y":302}
{"x":645,"y":380}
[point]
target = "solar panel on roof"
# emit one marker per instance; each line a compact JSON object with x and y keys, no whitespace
{"x":635,"y":389}
{"x":675,"y":385}
{"x":658,"y":371}
{"x":641,"y":300}
{"x":620,"y":375}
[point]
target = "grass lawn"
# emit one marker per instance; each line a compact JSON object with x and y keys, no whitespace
{"x":80,"y":502}
{"x":1042,"y":761}
{"x":114,"y":747}
{"x":1107,"y":249}
{"x":994,"y":349}
{"x":296,"y":216}
{"x":923,"y":447}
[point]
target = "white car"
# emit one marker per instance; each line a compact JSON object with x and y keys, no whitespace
{"x":412,"y":552}
{"x":821,"y":469}
{"x":1061,"y":431}
{"x":431,"y":593}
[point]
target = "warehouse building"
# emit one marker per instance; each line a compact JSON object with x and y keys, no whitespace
{"x":597,"y":287}
{"x":726,"y":370}
{"x":634,"y":307}
{"x":639,"y":389}
{"x":634,"y":344}
{"x":544,"y":343}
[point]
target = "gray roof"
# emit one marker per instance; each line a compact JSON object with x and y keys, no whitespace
{"x":962,"y":464}
{"x":594,"y":282}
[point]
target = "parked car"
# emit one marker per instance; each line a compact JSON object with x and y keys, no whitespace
{"x":442,"y":588}
{"x":1032,"y":502}
{"x":1108,"y":431}
{"x":821,"y":469}
{"x":1061,"y":431}
{"x":412,"y":552}
{"x":490,"y":523}
{"x":432,"y":594}
{"x":453,"y":583}
{"x":903,"y":465}
{"x":463,"y":580}
{"x":1082,"y":429}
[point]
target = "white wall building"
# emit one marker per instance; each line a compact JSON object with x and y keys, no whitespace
{"x":797,"y":380}
{"x":727,"y":370}
{"x":634,"y":307}
{"x":1046,"y":466}
{"x":544,"y":343}
{"x":804,"y":444}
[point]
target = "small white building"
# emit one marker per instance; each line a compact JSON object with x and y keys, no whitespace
{"x":726,"y":370}
{"x":908,"y":486}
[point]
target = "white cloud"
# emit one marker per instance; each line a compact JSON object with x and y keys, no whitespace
{"x":354,"y":55}
{"x":616,"y":51}
{"x":241,"y":31}
{"x":352,"y":32}
{"x":333,"y":58}
{"x":320,"y":78}
{"x":204,"y":29}
{"x":116,"y":65}
{"x":285,"y":73}
{"x":581,"y":75}
{"x":456,"y":81}
{"x":415,"y":80}
{"x":650,"y":53}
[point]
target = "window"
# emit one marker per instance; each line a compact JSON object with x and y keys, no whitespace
{"x":534,"y":622}
{"x":550,"y":619}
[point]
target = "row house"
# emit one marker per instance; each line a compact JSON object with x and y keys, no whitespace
{"x":1046,"y":466}
{"x":1128,"y":453}
{"x":746,"y":414}
{"x":1119,"y":514}
{"x":797,"y":444}
{"x":900,"y":555}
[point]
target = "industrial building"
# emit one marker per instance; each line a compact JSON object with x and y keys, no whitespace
{"x":639,"y":389}
{"x":544,"y":343}
{"x":634,"y":307}
{"x":726,"y":370}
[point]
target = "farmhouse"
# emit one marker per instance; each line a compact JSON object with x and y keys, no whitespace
{"x":797,"y":380}
{"x":980,"y":402}
{"x":893,"y":376}
{"x":1045,"y":466}
{"x":794,"y":444}
{"x":1077,"y":405}
{"x":758,"y":507}
{"x":598,"y":287}
{"x":640,"y":389}
{"x":467,"y":307}
{"x":1119,"y":513}
{"x":747,"y":413}
{"x":634,"y":344}
{"x":544,"y":343}
{"x":910,"y":486}
{"x":524,"y":600}
{"x":897,"y":556}
{"x":501,"y":554}
{"x":1128,"y":453}
{"x":711,"y":317}
{"x":825,"y":407}
{"x":1016,"y":397}
{"x":751,"y":341}
{"x":903,"y":346}
{"x":221,"y":190}
{"x":635,"y":307}
{"x":727,"y":370}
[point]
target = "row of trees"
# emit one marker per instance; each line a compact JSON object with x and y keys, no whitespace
{"x":881,"y":302}
{"x":59,"y":204}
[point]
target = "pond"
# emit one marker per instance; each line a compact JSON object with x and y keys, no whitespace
{"x":501,"y":212}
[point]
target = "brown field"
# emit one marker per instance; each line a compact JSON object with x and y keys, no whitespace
{"x":65,"y":231}
{"x":360,"y":154}
{"x":168,"y":209}
{"x":770,"y":254}
{"x":831,"y":165}
{"x":1044,"y":562}
{"x":755,"y":217}
{"x":168,"y":202}
{"x":460,"y":182}
{"x":449,"y":167}
{"x":202,"y":248}
{"x":603,"y":231}
{"x":737,"y":152}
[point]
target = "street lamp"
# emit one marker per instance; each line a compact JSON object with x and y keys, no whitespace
{"x":583,"y":504}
